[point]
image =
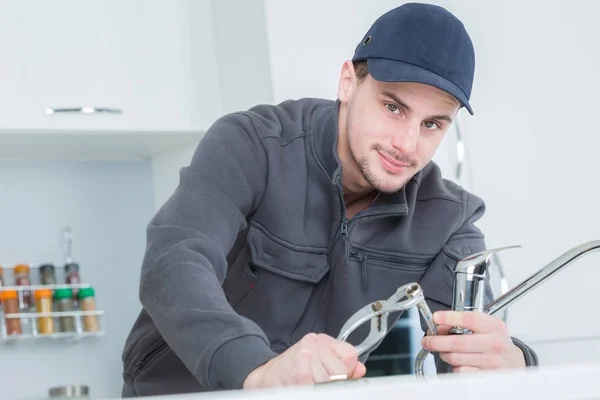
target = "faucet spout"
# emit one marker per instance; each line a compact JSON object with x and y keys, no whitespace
{"x":541,"y":276}
{"x":469,"y":283}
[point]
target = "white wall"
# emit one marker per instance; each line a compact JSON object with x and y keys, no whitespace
{"x":532,"y":144}
{"x":242,"y":53}
{"x":165,"y":172}
{"x":107,"y":206}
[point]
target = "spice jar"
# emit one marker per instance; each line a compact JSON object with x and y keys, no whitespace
{"x":72,"y":278}
{"x":64,"y":302}
{"x":47,"y":276}
{"x":1,"y":283}
{"x":87,"y":302}
{"x":22,"y":278}
{"x":10,"y":303}
{"x":43,"y":300}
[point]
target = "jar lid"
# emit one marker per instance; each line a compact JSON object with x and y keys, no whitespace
{"x":69,"y":391}
{"x":8,"y":294}
{"x":21,"y":269}
{"x":63,"y":293}
{"x":71,"y":267}
{"x":40,"y":293}
{"x":45,"y":267}
{"x":86,"y":292}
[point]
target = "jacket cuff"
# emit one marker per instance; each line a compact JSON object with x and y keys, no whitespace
{"x":235,"y":359}
{"x":531,"y":358}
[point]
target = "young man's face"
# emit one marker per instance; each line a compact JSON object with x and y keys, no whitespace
{"x":393,"y":128}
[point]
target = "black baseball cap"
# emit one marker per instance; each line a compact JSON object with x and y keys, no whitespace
{"x":422,"y":43}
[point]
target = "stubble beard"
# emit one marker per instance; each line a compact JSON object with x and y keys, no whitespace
{"x":366,"y":170}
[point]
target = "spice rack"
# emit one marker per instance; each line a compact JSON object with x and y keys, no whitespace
{"x":35,"y":325}
{"x":38,"y":306}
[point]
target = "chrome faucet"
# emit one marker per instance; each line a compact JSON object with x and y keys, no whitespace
{"x":470,"y":274}
{"x":469,"y":283}
{"x":469,"y":286}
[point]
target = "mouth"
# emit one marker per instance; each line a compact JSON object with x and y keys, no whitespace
{"x":392,"y":165}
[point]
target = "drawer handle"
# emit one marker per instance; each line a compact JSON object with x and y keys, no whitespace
{"x":83,"y":110}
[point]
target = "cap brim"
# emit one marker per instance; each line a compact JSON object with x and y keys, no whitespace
{"x":386,"y":70}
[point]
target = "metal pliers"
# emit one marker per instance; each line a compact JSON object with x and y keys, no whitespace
{"x":405,"y":297}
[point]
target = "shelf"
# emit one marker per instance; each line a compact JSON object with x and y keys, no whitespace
{"x":29,"y":325}
{"x":51,"y":287}
{"x":25,"y":322}
{"x":74,"y":336}
{"x":91,"y":146}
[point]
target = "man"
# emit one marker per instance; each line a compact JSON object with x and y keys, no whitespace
{"x":290,"y":218}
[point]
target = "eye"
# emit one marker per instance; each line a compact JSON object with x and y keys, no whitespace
{"x":431,"y":125}
{"x":392,"y":108}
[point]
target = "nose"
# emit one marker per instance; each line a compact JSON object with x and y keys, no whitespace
{"x":405,"y":141}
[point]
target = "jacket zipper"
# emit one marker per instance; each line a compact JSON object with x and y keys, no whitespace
{"x":161,"y":345}
{"x":343,"y":234}
{"x":362,"y":257}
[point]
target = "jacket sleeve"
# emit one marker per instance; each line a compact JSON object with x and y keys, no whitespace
{"x":438,"y":281}
{"x":185,"y":263}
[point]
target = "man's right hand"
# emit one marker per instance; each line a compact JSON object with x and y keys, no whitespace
{"x":314,"y":359}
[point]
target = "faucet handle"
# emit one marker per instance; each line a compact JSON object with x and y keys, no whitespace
{"x":469,"y":283}
{"x":477,"y":264}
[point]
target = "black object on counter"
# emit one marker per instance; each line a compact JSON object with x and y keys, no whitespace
{"x":70,"y":391}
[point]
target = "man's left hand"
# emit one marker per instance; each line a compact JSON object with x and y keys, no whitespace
{"x":488,"y":347}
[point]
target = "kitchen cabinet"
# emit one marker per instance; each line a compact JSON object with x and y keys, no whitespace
{"x":108,"y":78}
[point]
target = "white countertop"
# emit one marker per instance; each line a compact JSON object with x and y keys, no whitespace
{"x":574,"y":381}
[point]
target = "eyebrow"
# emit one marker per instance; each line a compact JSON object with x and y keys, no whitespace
{"x":407,"y":108}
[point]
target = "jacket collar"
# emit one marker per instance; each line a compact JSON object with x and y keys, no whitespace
{"x":325,"y":138}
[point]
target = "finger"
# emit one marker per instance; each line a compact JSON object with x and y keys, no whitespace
{"x":308,"y":355}
{"x":319,"y":373}
{"x":332,"y":363}
{"x":465,"y":369}
{"x":478,"y":360}
{"x":474,"y":343}
{"x":477,"y":322}
{"x":441,"y":330}
{"x":359,"y":371}
{"x":344,"y":351}
{"x":301,"y":373}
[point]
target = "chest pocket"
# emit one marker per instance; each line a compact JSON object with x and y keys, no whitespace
{"x":275,"y":287}
{"x":379,"y":264}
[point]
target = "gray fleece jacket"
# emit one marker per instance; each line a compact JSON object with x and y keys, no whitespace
{"x":253,"y":251}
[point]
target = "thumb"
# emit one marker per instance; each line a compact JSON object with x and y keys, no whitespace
{"x":359,"y":371}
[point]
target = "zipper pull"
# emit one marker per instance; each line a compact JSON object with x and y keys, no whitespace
{"x":344,"y":236}
{"x":363,"y":259}
{"x":344,"y":229}
{"x":347,"y":248}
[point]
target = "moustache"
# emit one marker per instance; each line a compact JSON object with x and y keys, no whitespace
{"x":401,"y":158}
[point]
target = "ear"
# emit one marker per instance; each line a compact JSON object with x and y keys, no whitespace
{"x":347,"y":82}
